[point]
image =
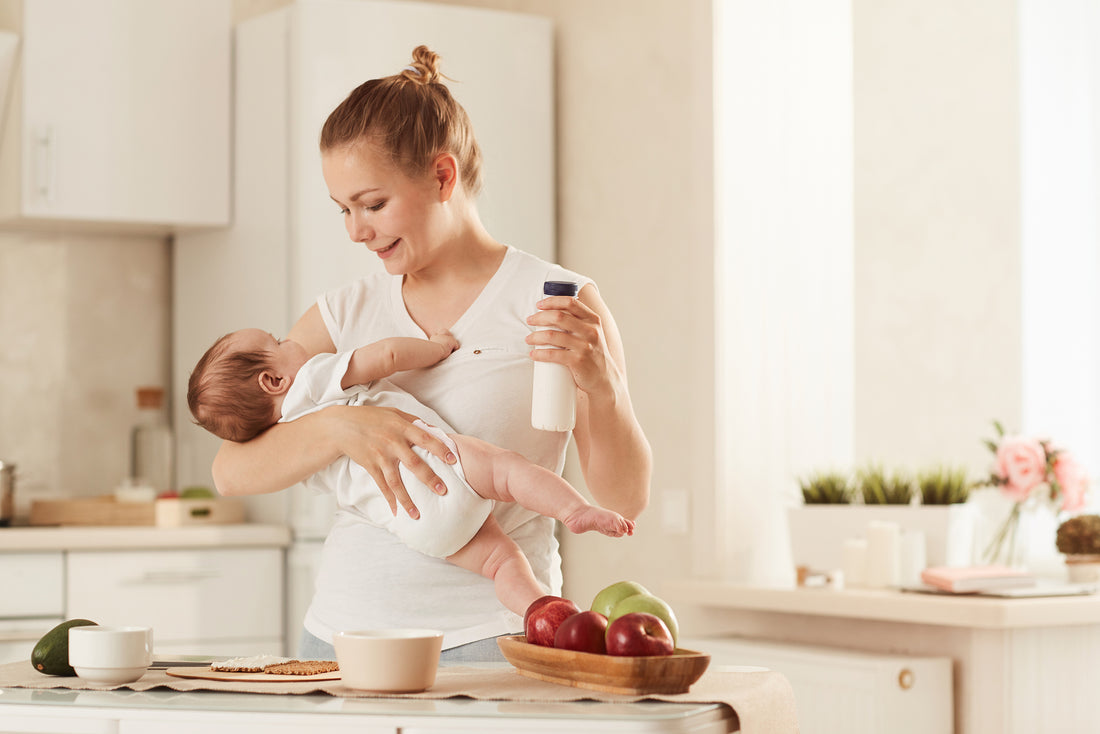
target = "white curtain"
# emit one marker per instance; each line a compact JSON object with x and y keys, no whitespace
{"x":783,"y":106}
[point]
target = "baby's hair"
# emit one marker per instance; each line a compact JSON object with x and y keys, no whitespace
{"x":224,"y":392}
{"x":411,"y":116}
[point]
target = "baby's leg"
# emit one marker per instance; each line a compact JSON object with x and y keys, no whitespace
{"x":506,"y":476}
{"x":495,"y":556}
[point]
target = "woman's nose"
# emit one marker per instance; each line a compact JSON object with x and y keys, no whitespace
{"x":359,"y":229}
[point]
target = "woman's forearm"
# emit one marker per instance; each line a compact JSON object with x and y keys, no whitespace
{"x":614,"y":453}
{"x":281,"y":456}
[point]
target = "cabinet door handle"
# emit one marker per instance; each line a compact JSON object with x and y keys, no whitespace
{"x":169,"y":576}
{"x":43,"y":163}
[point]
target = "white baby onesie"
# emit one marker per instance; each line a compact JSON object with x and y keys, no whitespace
{"x":446,"y":522}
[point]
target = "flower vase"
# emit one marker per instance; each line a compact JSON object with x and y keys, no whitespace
{"x":1004,"y":548}
{"x":1016,"y":534}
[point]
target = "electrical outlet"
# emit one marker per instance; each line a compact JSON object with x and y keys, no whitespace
{"x":675,"y":511}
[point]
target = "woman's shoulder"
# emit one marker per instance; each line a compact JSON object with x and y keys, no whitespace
{"x":357,"y":292}
{"x":530,"y":268}
{"x":363,"y":300}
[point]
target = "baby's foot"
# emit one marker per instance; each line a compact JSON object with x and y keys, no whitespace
{"x":603,"y":521}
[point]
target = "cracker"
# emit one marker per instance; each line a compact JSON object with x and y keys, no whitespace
{"x":253,"y":664}
{"x":302,"y":667}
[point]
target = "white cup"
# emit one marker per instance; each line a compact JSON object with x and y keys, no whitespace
{"x":854,"y":563}
{"x":110,"y":656}
{"x":913,"y":557}
{"x":883,"y":554}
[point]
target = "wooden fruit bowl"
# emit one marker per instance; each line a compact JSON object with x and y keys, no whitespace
{"x":609,"y":673}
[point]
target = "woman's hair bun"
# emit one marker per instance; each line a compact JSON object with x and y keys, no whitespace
{"x":424,"y":68}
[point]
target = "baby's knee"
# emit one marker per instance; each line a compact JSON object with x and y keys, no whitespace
{"x":503,"y":555}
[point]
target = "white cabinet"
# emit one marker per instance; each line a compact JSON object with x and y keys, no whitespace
{"x":32,"y":584}
{"x":119,"y":113}
{"x":287,"y":242}
{"x":224,"y":601}
{"x":203,"y":601}
{"x":31,"y":602}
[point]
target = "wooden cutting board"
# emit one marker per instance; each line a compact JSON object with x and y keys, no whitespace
{"x":207,"y":674}
{"x":106,"y":510}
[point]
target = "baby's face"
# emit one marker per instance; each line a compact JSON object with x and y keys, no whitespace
{"x":287,"y":356}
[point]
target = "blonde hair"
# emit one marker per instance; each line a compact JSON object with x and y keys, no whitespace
{"x":410,"y":115}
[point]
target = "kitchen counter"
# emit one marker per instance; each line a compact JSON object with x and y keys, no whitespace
{"x":1021,"y":665}
{"x":471,"y":698}
{"x":894,"y":606}
{"x":164,"y":712}
{"x":28,"y":539}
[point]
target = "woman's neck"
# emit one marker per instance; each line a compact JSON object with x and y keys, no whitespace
{"x":436,"y":296}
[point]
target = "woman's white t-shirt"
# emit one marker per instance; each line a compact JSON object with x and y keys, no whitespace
{"x":368,"y":579}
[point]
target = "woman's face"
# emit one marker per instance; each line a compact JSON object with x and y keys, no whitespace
{"x":383,"y":208}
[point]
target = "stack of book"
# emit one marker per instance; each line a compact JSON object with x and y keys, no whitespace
{"x":975,"y":579}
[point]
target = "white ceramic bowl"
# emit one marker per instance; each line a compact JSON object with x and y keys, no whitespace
{"x":110,"y":656}
{"x":394,"y":661}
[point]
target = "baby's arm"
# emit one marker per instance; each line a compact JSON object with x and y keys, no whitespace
{"x":384,"y":357}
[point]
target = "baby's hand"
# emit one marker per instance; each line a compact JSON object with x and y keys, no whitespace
{"x":445,"y":339}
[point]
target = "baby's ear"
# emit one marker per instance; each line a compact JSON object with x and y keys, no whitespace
{"x":273,"y":384}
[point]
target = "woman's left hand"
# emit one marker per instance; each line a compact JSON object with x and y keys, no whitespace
{"x":578,"y":332}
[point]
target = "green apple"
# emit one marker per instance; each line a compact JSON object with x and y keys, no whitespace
{"x":606,"y":600}
{"x":647,"y":603}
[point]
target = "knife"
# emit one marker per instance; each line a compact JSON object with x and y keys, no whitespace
{"x":165,"y":664}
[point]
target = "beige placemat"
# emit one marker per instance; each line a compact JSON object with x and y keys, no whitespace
{"x":763,"y":701}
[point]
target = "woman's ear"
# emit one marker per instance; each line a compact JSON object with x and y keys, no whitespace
{"x":273,"y":384}
{"x":445,"y":174}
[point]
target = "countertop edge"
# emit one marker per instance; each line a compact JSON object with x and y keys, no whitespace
{"x":893,"y":606}
{"x":76,"y":538}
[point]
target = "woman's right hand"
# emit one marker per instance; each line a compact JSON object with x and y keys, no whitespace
{"x":379,"y":439}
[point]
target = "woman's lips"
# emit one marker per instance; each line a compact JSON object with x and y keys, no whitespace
{"x":387,"y":251}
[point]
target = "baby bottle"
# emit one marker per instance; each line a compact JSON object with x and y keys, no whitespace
{"x":554,"y":397}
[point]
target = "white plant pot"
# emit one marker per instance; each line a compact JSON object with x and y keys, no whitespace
{"x":818,"y":532}
{"x":1083,"y":569}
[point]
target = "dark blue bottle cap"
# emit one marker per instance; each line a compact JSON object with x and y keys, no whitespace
{"x":560,"y":288}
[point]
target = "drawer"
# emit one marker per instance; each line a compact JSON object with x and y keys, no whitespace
{"x":182,"y":594}
{"x":33,"y":584}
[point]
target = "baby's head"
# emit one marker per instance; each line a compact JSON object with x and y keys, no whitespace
{"x":236,"y":390}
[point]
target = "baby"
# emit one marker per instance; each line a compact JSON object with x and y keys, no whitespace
{"x":249,"y":380}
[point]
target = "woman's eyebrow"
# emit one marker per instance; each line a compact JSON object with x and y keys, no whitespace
{"x":355,"y":196}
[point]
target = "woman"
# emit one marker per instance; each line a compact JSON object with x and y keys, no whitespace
{"x":401,"y":163}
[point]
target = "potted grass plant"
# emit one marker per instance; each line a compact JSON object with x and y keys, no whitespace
{"x":838,"y":505}
{"x":880,"y":487}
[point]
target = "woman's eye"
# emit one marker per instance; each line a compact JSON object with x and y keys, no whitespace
{"x":376,"y":207}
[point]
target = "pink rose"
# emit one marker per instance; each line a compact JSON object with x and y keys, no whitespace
{"x":1021,"y":463}
{"x":1073,"y":480}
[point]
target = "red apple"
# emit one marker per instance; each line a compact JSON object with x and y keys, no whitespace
{"x":583,"y":632}
{"x":638,"y":634}
{"x":544,"y":620}
{"x":535,"y":605}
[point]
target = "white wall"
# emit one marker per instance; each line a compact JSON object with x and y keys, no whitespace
{"x":937,"y":228}
{"x":83,"y":323}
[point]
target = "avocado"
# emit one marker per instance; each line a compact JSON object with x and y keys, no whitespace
{"x":51,"y":653}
